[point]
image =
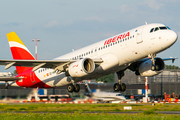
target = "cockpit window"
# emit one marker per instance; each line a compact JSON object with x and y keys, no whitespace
{"x":159,"y":28}
{"x":163,"y":28}
{"x":168,"y":27}
{"x":151,"y":30}
{"x":156,"y":29}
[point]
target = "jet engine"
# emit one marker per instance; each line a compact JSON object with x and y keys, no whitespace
{"x":81,"y":67}
{"x":148,"y":69}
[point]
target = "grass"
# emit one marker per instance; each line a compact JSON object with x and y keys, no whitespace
{"x":85,"y":116}
{"x":78,"y":111}
{"x":85,"y":107}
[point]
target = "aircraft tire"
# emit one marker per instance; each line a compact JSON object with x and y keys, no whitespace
{"x":76,"y":88}
{"x":116,"y":87}
{"x":70,"y":88}
{"x":123,"y":87}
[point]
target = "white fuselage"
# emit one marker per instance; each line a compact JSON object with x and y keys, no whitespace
{"x":108,"y":96}
{"x":117,"y":53}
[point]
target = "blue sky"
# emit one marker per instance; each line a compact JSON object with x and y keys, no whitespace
{"x":65,"y":25}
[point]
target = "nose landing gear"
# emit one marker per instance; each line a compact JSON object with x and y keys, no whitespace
{"x":6,"y":85}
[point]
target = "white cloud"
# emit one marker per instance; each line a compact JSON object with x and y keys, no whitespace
{"x":96,"y":18}
{"x":154,"y":4}
{"x":51,"y":23}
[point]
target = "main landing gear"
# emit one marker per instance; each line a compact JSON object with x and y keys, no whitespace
{"x":119,"y":86}
{"x":73,"y":88}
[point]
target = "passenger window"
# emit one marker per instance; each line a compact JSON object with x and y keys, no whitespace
{"x":151,"y":30}
{"x":156,"y":29}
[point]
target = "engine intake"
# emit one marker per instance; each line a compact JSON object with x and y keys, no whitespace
{"x":81,"y":67}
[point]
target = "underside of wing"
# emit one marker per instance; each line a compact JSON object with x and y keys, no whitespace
{"x":11,"y":78}
{"x":36,"y":64}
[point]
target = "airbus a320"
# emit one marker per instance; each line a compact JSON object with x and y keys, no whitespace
{"x":134,"y":49}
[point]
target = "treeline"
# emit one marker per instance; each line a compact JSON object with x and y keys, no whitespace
{"x":171,"y":67}
{"x":107,"y":78}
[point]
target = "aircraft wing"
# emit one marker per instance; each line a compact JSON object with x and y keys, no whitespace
{"x":41,"y":63}
{"x":137,"y":63}
{"x":10,"y":78}
{"x":164,"y":59}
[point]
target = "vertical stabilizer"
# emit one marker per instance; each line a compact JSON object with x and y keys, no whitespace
{"x":88,"y":91}
{"x":19,"y":50}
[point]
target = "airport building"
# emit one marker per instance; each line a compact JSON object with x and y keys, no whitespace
{"x":166,"y":82}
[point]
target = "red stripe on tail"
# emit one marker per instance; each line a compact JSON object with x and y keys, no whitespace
{"x":21,"y":54}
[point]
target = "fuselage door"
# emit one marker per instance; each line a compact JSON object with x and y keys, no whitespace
{"x":139,"y":35}
{"x":33,"y":80}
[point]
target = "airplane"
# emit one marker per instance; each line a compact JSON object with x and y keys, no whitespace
{"x":134,"y":49}
{"x":103,"y":96}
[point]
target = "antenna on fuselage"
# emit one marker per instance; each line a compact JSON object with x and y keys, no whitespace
{"x":145,"y":22}
{"x":73,"y":50}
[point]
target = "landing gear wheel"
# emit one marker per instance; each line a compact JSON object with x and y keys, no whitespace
{"x":76,"y":88}
{"x":70,"y":88}
{"x":155,"y":67}
{"x":116,"y":87}
{"x":119,"y":87}
{"x":123,"y":87}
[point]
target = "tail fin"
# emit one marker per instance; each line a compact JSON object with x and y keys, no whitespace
{"x":19,"y":50}
{"x":88,"y":91}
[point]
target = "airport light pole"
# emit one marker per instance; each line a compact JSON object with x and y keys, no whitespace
{"x":36,"y":40}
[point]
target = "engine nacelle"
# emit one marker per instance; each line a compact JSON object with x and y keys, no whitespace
{"x":145,"y":69}
{"x":81,"y":67}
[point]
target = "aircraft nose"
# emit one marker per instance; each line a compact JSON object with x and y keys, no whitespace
{"x":173,"y":36}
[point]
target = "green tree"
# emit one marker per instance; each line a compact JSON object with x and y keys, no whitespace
{"x":171,"y":67}
{"x":107,"y":78}
{"x":15,"y":72}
